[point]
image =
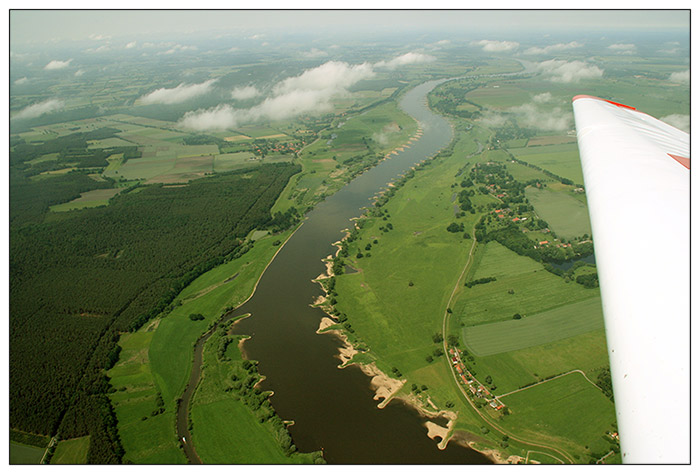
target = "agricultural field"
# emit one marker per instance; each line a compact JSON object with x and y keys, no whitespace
{"x":499,"y":95}
{"x":562,"y":160}
{"x":94,"y":198}
{"x":537,"y":329}
{"x":566,"y":215}
{"x":24,"y":454}
{"x":534,"y":289}
{"x":71,"y":451}
{"x":555,"y":407}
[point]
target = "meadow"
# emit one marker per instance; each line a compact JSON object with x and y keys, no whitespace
{"x":226,"y":428}
{"x":156,"y":360}
{"x":562,"y":160}
{"x":566,"y":215}
{"x":71,"y":451}
{"x":94,"y":198}
{"x":555,"y":408}
{"x":24,"y":454}
{"x":537,"y":329}
{"x":533,"y":289}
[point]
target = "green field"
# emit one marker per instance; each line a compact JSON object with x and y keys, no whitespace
{"x":72,"y":451}
{"x":562,"y":160}
{"x":545,"y":327}
{"x":557,"y":408}
{"x":225,"y":429}
{"x":23,"y":454}
{"x":359,"y":142}
{"x":94,"y":198}
{"x":515,"y":369}
{"x":534,"y":289}
{"x":565,"y":214}
{"x":157,"y":358}
{"x":499,"y":95}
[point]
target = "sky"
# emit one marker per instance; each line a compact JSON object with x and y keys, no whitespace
{"x":36,"y":26}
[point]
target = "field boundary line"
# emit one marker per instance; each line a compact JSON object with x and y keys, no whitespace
{"x":549,"y":380}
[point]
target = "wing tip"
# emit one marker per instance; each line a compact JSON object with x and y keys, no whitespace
{"x":583,"y":96}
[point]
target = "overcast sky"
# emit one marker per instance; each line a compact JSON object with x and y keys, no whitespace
{"x":36,"y":26}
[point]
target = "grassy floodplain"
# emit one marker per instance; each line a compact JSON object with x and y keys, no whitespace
{"x":344,"y":150}
{"x":399,"y":296}
{"x":156,"y":361}
{"x":229,"y":428}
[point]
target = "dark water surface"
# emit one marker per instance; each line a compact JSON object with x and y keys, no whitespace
{"x":334,"y":409}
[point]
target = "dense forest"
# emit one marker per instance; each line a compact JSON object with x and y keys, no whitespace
{"x":79,"y":278}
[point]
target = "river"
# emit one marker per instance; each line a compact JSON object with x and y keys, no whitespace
{"x":333,"y":409}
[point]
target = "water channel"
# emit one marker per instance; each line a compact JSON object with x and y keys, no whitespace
{"x":333,"y":409}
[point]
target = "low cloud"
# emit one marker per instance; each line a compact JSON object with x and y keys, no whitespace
{"x":179,"y":48}
{"x":130,"y":45}
{"x":37,"y":110}
{"x":681,"y":77}
{"x":56,"y":64}
{"x":679,"y":121}
{"x":79,"y":73}
{"x":531,"y":115}
{"x":567,"y":72}
{"x":177,"y":94}
{"x":22,"y":80}
{"x":314,"y":53}
{"x":623,"y":48}
{"x":553,"y":48}
{"x":245,"y":93}
{"x":543,"y":98}
{"x":405,"y":59}
{"x":310,"y":92}
{"x":496,"y":46}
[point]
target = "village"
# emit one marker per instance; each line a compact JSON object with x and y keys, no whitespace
{"x":475,"y":387}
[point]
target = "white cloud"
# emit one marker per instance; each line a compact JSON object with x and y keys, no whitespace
{"x":56,"y":64}
{"x":496,"y":46}
{"x":623,"y":48}
{"x":310,"y":92}
{"x":678,"y":120}
{"x":543,"y":98}
{"x":177,"y":94}
{"x":532,"y":116}
{"x":681,"y":77}
{"x":22,"y":80}
{"x":39,"y":109}
{"x":553,"y":48}
{"x":245,"y":93}
{"x":563,"y":71}
{"x":404,"y":59}
{"x":130,"y":45}
{"x":79,"y":73}
{"x":179,"y":48}
{"x":314,"y":53}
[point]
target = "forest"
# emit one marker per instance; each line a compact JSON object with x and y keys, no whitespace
{"x":80,"y":278}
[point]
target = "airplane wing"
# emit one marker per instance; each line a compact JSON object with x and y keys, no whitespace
{"x":637,"y":175}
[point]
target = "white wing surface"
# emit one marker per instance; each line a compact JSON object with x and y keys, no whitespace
{"x":637,"y":177}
